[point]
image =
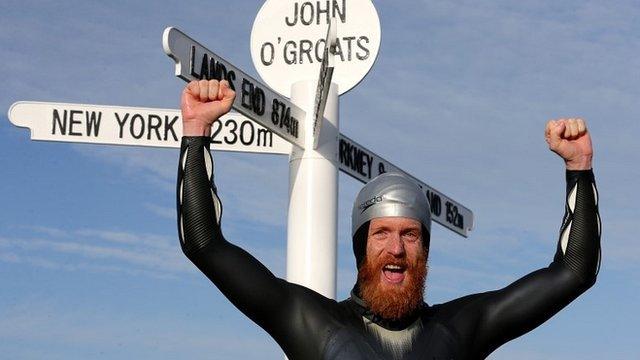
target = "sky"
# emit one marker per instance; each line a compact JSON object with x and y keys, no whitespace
{"x":90,"y":266}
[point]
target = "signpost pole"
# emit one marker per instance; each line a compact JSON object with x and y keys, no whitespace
{"x":312,"y":229}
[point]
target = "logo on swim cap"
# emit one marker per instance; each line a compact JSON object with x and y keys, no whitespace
{"x":369,"y":203}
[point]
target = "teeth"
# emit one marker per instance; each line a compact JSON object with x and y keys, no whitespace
{"x":393,"y":267}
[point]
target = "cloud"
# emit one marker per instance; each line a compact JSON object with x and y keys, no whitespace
{"x":103,"y":332}
{"x":98,"y":250}
{"x":161,"y":211}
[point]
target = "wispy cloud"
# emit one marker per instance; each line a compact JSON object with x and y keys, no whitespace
{"x":85,"y":330}
{"x":162,"y":211}
{"x":97,"y":250}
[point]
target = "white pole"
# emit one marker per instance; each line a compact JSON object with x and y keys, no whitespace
{"x":312,"y":229}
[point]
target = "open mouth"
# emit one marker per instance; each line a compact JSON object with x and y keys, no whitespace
{"x":394,"y":273}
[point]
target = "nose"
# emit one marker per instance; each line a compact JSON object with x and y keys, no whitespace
{"x":395,"y":246}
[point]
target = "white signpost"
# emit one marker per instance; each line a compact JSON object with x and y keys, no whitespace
{"x":288,"y":41}
{"x":116,"y":125}
{"x":271,"y":110}
{"x":291,"y":54}
{"x":364,"y":165}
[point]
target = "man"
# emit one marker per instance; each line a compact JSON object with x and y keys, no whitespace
{"x":385,"y":317}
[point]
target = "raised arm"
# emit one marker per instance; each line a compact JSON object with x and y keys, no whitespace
{"x":249,"y":285}
{"x":508,"y":313}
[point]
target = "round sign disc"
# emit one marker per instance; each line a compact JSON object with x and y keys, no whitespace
{"x":288,"y":41}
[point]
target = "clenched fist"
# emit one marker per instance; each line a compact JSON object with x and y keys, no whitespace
{"x":570,"y":139}
{"x":203,"y":102}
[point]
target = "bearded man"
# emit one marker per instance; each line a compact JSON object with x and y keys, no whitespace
{"x":385,"y":316}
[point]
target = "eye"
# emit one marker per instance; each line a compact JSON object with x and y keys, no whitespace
{"x":379,"y":234}
{"x":411,"y":235}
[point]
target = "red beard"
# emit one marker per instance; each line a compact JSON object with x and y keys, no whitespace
{"x":393,"y":302}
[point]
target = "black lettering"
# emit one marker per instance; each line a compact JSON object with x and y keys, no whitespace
{"x":288,"y":52}
{"x":381,"y":169}
{"x":212,"y":70}
{"x":295,"y":16}
{"x":192,"y":65}
{"x":132,"y":126}
{"x":342,"y":13}
{"x":62,"y":123}
{"x":320,"y":11}
{"x":93,"y":124}
{"x":258,"y":102}
{"x":220,"y":72}
{"x":349,"y":39}
{"x":345,"y":156}
{"x":154,"y":125}
{"x":73,"y":121}
{"x":247,"y":92}
{"x":231,"y":77}
{"x":361,"y":159}
{"x":353,"y":157}
{"x":366,"y":50}
{"x":453,"y":217}
{"x":369,"y":163}
{"x":435,"y":203}
{"x":121,"y":123}
{"x":338,"y":50}
{"x":343,"y":152}
{"x":168,"y":126}
{"x":204,"y":67}
{"x":306,"y":5}
{"x":232,"y":131}
{"x":320,"y":54}
{"x":294,"y":130}
{"x":272,"y":50}
{"x":305,"y":49}
{"x":265,"y":138}
{"x":244,"y":131}
{"x":275,"y":118}
{"x":217,"y":127}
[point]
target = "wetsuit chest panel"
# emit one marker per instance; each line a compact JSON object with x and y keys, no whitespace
{"x":419,"y":341}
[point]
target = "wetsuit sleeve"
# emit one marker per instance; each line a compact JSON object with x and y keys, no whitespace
{"x":249,"y":285}
{"x":510,"y":312}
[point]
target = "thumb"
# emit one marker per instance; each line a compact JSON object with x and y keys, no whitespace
{"x":558,"y":130}
{"x":187,"y":100}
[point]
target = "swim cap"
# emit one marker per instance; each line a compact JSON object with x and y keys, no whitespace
{"x":388,"y":195}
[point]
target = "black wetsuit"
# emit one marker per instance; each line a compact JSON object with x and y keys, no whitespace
{"x":308,"y":325}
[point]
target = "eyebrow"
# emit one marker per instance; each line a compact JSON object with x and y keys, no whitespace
{"x":386,"y":227}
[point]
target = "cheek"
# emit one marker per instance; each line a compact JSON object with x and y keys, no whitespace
{"x":415,"y":252}
{"x":374,"y":248}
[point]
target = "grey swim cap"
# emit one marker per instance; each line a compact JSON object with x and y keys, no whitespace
{"x":390,"y":195}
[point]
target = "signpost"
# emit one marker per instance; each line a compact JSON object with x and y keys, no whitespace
{"x":364,"y":165}
{"x":255,"y":100}
{"x":286,"y":48}
{"x":116,"y":125}
{"x":288,"y":41}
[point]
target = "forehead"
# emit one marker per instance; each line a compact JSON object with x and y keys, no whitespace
{"x":395,"y":222}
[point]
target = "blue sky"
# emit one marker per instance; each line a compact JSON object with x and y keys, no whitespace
{"x":89,"y":260}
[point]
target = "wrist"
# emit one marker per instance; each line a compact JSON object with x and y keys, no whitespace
{"x":581,"y":163}
{"x":195,"y":129}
